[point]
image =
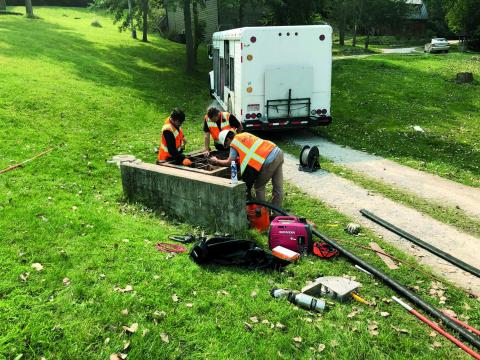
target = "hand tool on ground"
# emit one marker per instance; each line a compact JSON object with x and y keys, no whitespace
{"x":399,"y":288}
{"x":185,"y":239}
{"x":26,"y":161}
{"x":303,"y":300}
{"x":437,"y":328}
{"x":436,"y":251}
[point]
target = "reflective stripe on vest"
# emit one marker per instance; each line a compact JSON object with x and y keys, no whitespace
{"x":249,"y":154}
{"x":224,"y":125}
{"x":163,"y":153}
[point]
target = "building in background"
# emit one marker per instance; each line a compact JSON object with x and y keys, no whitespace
{"x":217,"y":15}
{"x":417,"y":17}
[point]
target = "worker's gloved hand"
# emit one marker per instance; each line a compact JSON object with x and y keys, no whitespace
{"x":187,"y":162}
{"x":213,"y":160}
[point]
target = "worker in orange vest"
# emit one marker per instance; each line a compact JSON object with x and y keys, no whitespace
{"x":260,"y":161}
{"x":214,"y":122}
{"x":173,"y":141}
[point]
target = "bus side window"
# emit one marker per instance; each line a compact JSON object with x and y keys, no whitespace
{"x":226,"y":57}
{"x":232,"y":74}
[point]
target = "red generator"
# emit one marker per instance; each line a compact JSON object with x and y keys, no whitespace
{"x":292,"y":233}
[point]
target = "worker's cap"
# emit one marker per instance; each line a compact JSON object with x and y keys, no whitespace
{"x":224,"y":134}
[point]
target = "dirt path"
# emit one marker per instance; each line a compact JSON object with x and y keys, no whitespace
{"x":428,"y":186}
{"x":348,"y":198}
{"x":407,"y":50}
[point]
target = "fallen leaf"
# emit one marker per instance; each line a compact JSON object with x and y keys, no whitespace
{"x":159,"y":314}
{"x":24,"y":276}
{"x":114,"y":357}
{"x":309,"y":320}
{"x":385,"y":314}
{"x":352,"y":314}
{"x":107,"y":340}
{"x":321,"y":347}
{"x":102,"y":276}
{"x":126,"y":345}
{"x":175,"y":297}
{"x":37,"y":266}
{"x":297,"y":339}
{"x":400,"y":330}
{"x":433,"y":334}
{"x":266,"y":322}
{"x":189,"y":305}
{"x":124,"y":312}
{"x":253,"y":293}
{"x":132,"y":329}
{"x":145,"y":332}
{"x":449,"y":312}
{"x":165,"y":338}
{"x":248,"y":326}
{"x":223,"y":292}
{"x":122,"y":356}
{"x":156,"y":277}
{"x":280,"y":326}
{"x":436,"y":344}
{"x":254,"y":319}
{"x":74,"y":208}
{"x":66,"y":281}
{"x":127,"y":288}
{"x":373,"y":328}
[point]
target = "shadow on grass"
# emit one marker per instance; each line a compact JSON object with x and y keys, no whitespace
{"x":154,"y":71}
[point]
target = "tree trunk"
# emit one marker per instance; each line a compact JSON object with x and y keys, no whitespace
{"x":145,"y":20}
{"x":241,"y":13}
{"x":29,"y":8}
{"x":342,"y":24}
{"x":354,"y":39}
{"x":187,"y":17}
{"x":195,"y":31}
{"x":130,"y":14}
{"x":367,"y":41}
{"x":3,"y":5}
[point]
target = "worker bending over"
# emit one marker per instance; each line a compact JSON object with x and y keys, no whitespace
{"x":260,"y":161}
{"x":173,"y":141}
{"x":214,"y":122}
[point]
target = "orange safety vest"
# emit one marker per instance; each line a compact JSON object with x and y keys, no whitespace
{"x":163,"y":153}
{"x":252,"y":150}
{"x":224,"y":125}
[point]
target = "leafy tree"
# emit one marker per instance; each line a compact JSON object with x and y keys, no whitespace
{"x":463,"y":17}
{"x":290,"y":12}
{"x":437,"y":22}
{"x":129,"y":14}
{"x":380,"y":15}
{"x":3,"y":5}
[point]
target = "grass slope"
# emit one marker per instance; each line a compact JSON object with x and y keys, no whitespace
{"x":376,"y":101}
{"x":97,"y":93}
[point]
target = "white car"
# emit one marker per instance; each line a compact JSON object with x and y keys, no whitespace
{"x":437,"y":45}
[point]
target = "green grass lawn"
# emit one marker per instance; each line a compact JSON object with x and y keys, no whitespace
{"x":376,"y":101}
{"x":94,"y":93}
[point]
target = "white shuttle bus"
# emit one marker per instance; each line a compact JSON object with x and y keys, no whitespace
{"x":274,"y":77}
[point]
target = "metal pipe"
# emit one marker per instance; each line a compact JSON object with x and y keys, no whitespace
{"x":441,"y":254}
{"x":400,"y":289}
{"x":437,"y":328}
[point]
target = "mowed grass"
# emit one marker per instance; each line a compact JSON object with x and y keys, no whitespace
{"x":376,"y":102}
{"x":93,"y":93}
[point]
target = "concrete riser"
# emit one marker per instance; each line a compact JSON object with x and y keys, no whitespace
{"x":207,"y":201}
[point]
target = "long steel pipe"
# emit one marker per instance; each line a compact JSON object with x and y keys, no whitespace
{"x":436,"y":251}
{"x":399,"y":288}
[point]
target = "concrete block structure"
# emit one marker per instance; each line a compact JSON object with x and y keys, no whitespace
{"x":199,"y":199}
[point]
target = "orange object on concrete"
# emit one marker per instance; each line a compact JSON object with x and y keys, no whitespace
{"x":258,"y":217}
